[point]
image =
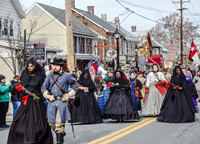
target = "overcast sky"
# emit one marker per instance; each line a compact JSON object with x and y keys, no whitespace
{"x":113,"y":9}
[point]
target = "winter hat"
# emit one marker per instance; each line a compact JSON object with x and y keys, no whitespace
{"x":87,"y":68}
{"x":2,"y":77}
{"x":99,"y":72}
{"x":140,"y":72}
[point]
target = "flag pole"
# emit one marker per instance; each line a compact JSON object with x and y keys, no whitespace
{"x":188,"y":56}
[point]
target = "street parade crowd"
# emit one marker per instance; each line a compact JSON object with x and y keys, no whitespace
{"x":44,"y":99}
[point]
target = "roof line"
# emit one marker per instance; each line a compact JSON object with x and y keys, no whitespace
{"x":36,"y":4}
{"x":90,"y":20}
{"x":18,"y":8}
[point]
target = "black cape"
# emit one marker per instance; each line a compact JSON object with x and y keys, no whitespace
{"x":177,"y":106}
{"x":30,"y":124}
{"x":86,"y":110}
{"x":120,"y":106}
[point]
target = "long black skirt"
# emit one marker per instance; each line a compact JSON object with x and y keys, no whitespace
{"x":86,"y":110}
{"x":176,"y":108}
{"x":30,"y":124}
{"x":120,"y":106}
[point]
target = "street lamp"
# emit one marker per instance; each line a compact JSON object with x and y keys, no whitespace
{"x":136,"y":57}
{"x":117,"y":36}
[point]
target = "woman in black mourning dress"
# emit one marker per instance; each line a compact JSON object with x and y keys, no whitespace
{"x":30,"y":125}
{"x":85,"y":108}
{"x":177,"y":106}
{"x":120,"y":106}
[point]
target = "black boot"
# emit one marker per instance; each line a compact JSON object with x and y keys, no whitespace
{"x":59,"y":137}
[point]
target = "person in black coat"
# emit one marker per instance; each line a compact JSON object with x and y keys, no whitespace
{"x":15,"y":96}
{"x":85,"y":108}
{"x":120,"y":106}
{"x":177,"y":106}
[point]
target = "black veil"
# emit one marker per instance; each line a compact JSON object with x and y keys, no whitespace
{"x":83,"y":81}
{"x":181,"y":76}
{"x":38,"y":71}
{"x":121,"y":80}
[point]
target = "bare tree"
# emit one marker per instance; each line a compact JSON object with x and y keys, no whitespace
{"x":167,"y":30}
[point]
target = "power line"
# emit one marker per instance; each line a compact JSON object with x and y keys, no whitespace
{"x":190,"y":13}
{"x":188,"y":10}
{"x":194,"y":8}
{"x":136,"y":13}
{"x":144,"y":16}
{"x":48,"y":22}
{"x":154,"y":9}
{"x":126,"y":17}
{"x":42,"y":12}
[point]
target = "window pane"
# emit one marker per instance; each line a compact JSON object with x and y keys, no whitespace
{"x":81,"y":45}
{"x":0,"y":23}
{"x":11,"y":32}
{"x":5,"y":23}
{"x":75,"y":44}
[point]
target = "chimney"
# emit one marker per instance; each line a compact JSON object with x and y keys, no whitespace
{"x":104,"y":17}
{"x":133,"y":28}
{"x":117,"y":20}
{"x":73,"y":3}
{"x":91,"y":9}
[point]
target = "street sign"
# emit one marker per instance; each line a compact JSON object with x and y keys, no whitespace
{"x":36,"y":51}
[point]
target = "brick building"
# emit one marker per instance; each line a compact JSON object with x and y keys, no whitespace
{"x":106,"y":29}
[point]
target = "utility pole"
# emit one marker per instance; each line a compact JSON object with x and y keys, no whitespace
{"x":69,"y":36}
{"x":181,"y":29}
{"x":24,"y":51}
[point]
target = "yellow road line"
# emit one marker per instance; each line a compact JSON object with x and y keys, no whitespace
{"x":127,"y":132}
{"x":119,"y":131}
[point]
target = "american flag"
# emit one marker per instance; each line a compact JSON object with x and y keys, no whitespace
{"x":90,"y":64}
{"x":98,"y":62}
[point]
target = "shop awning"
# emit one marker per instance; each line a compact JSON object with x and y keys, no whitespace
{"x":78,"y":56}
{"x":155,"y":59}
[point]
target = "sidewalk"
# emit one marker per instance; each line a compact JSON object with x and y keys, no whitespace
{"x":9,"y":116}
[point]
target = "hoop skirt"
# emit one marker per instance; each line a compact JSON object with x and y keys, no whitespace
{"x":177,"y":106}
{"x":120,"y":106}
{"x":87,"y":111}
{"x":30,"y":124}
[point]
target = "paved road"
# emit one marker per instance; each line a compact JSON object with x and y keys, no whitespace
{"x":147,"y":131}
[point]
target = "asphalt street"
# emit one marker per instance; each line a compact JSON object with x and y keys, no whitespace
{"x":146,"y":131}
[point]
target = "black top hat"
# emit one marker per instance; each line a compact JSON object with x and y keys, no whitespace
{"x":57,"y":61}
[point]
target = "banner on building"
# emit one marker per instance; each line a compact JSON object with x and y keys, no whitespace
{"x":168,"y":64}
{"x":36,"y":51}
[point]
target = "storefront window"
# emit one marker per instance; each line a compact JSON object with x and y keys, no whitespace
{"x":75,"y":44}
{"x":89,"y":46}
{"x":82,"y":45}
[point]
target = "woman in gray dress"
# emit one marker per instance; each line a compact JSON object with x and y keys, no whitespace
{"x":154,"y":96}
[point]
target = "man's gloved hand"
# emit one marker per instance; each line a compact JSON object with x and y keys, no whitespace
{"x":49,"y":97}
{"x":65,"y":97}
